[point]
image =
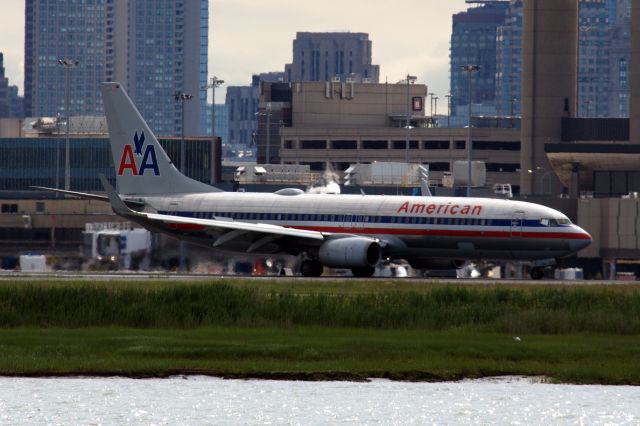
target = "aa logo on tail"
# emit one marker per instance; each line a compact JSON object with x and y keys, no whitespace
{"x":129,"y":155}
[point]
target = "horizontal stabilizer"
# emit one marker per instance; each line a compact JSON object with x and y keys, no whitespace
{"x":88,"y":196}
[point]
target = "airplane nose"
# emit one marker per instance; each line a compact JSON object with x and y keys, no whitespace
{"x":582,"y":239}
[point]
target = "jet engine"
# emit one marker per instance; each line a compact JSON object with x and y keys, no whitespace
{"x":437,"y":264}
{"x":350,"y":252}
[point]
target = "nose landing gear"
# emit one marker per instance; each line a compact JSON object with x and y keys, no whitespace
{"x":537,"y":273}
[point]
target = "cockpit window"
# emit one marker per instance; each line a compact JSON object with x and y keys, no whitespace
{"x":555,"y":222}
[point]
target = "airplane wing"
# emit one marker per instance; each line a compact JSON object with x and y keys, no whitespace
{"x":228,"y":230}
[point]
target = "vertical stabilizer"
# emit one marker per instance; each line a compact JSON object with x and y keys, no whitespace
{"x":141,"y":165}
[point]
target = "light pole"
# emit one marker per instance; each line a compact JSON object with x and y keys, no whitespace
{"x":410,"y":80}
{"x":268,"y":133}
{"x":588,"y":104}
{"x":448,"y":96}
{"x":267,"y":114}
{"x":435,"y":110}
{"x":513,"y":104}
{"x":546,"y":173}
{"x":214,"y":82}
{"x":58,"y":123}
{"x":431,"y":95}
{"x":182,"y":98}
{"x":68,"y":64}
{"x":469,"y":69}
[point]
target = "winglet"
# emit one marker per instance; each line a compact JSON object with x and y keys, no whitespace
{"x":118,"y":206}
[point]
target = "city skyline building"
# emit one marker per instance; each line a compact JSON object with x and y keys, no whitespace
{"x":222,"y":121}
{"x":166,"y":53}
{"x":56,"y":30}
{"x":620,"y":60}
{"x":155,"y":49}
{"x":473,"y":42}
{"x":332,"y":55}
{"x":593,"y":59}
{"x":242,"y":107}
{"x":11,"y":105}
{"x":509,"y":61}
{"x":604,"y":61}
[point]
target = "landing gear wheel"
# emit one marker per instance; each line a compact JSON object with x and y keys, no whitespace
{"x":365,"y":272}
{"x":537,"y":273}
{"x":311,"y":268}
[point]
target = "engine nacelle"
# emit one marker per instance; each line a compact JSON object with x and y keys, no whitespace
{"x":350,"y":252}
{"x":437,"y":264}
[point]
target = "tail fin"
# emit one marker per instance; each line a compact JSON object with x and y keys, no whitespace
{"x":142,"y":166}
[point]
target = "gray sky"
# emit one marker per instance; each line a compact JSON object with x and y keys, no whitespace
{"x":253,"y":36}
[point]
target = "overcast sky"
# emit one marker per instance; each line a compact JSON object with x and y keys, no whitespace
{"x":253,"y":36}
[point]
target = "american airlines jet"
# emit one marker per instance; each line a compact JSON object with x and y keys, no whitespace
{"x":338,"y":231}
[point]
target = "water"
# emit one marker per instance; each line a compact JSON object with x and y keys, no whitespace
{"x":203,"y":400}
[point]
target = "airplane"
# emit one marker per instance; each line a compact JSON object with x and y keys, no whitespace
{"x":340,"y":231}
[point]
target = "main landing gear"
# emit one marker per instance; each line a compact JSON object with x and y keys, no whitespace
{"x":311,"y":268}
{"x":364,"y":272}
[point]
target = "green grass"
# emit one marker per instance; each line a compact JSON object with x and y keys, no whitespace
{"x":528,"y":309}
{"x":320,"y":330}
{"x":317,"y":353}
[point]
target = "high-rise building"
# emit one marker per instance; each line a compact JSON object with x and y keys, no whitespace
{"x":620,"y":61}
{"x":509,"y":61}
{"x":473,"y":42}
{"x":65,"y":29}
{"x":222,"y":121}
{"x":166,"y":54}
{"x":242,"y":105}
{"x":11,"y":105}
{"x":604,"y":59}
{"x":593,"y":59}
{"x":155,"y":48}
{"x":328,"y":56}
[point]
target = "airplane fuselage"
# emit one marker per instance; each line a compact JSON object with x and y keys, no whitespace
{"x":412,"y":227}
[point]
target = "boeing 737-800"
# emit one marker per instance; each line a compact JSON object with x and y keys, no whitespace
{"x":339,"y":231}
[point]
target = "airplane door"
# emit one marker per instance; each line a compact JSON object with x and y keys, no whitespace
{"x":357,"y":222}
{"x":517,"y":223}
{"x":346,"y":221}
{"x":353,"y":222}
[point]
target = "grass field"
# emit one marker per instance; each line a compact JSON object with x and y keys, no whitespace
{"x":311,"y":330}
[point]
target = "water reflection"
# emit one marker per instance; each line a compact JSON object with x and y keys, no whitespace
{"x":203,"y":400}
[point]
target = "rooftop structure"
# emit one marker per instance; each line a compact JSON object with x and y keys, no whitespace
{"x":337,"y":56}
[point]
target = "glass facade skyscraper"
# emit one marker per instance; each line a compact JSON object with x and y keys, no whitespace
{"x":604,"y":58}
{"x":473,"y":42}
{"x":155,"y":48}
{"x":11,"y":105}
{"x":57,"y":29}
{"x":167,"y":54}
{"x":509,"y":61}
